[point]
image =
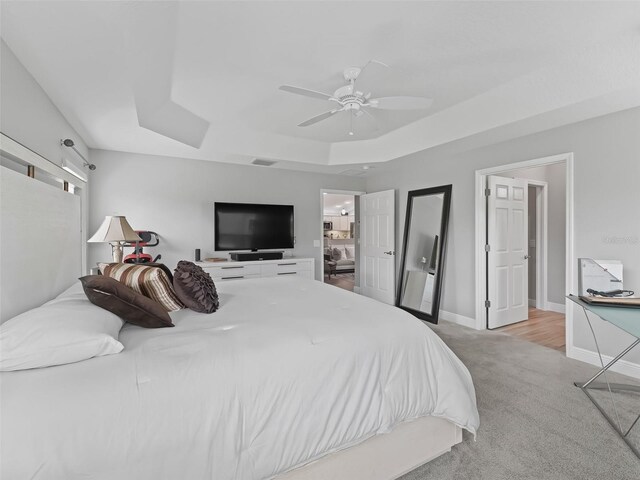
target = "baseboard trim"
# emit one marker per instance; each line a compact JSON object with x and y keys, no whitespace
{"x":356,"y":289}
{"x":622,"y":366}
{"x":556,"y":307}
{"x":459,"y":319}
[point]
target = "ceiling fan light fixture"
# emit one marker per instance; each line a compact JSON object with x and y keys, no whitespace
{"x":356,"y":102}
{"x":351,"y":73}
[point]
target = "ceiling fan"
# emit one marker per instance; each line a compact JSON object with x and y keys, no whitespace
{"x":355,"y":102}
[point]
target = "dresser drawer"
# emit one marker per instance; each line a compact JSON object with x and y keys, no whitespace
{"x":300,"y":273}
{"x":223,"y":271}
{"x":289,"y":266}
{"x":235,"y":276}
{"x":231,"y":270}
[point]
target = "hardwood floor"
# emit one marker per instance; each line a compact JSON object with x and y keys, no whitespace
{"x":543,"y":327}
{"x":345,"y":281}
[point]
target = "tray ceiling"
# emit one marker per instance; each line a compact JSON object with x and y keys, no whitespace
{"x":200,"y":79}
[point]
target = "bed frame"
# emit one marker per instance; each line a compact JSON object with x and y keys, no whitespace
{"x":43,"y":223}
{"x":386,"y":456}
{"x":382,"y":457}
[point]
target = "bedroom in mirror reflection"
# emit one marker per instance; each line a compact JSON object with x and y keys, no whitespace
{"x":423,"y":253}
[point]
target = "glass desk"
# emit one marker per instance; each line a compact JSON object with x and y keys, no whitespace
{"x":627,"y":319}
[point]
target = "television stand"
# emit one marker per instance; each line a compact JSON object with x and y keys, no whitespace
{"x":252,"y":256}
{"x":227,"y":271}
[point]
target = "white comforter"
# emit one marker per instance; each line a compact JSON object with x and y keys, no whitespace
{"x":286,"y":371}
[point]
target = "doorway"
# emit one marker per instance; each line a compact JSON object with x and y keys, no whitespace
{"x":340,"y":233}
{"x":524,"y":249}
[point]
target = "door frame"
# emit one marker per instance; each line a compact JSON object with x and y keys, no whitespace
{"x":481,"y":234}
{"x":542,"y":236}
{"x":320,"y":254}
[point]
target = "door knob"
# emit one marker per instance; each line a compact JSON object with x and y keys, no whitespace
{"x":526,"y":257}
{"x":390,"y":252}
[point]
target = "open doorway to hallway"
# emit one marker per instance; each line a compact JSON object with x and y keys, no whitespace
{"x":340,"y":233}
{"x":526,"y":253}
{"x":546,"y":328}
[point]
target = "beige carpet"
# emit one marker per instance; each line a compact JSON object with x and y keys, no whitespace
{"x":534,"y":424}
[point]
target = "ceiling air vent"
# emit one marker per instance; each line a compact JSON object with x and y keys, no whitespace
{"x":262,"y":163}
{"x":353,"y":172}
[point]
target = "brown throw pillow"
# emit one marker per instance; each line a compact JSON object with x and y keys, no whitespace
{"x":161,"y":266}
{"x":132,"y":307}
{"x":195,"y":288}
{"x":336,"y":254}
{"x":149,"y":281}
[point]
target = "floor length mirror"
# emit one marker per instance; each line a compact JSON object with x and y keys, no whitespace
{"x":423,"y":251}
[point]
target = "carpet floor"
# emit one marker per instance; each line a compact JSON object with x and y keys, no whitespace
{"x":534,"y":423}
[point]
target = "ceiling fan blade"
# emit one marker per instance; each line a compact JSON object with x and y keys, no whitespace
{"x":366,"y":73}
{"x":305,"y":92}
{"x":400,"y":103}
{"x":319,"y":118}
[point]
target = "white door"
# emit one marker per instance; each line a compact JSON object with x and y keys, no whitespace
{"x":377,"y":246}
{"x":507,"y":258}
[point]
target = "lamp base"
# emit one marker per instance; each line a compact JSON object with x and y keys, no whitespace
{"x":117,"y":252}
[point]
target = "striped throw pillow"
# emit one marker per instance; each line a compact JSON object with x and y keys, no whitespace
{"x":151,"y":282}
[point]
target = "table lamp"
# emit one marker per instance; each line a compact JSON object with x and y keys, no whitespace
{"x":115,"y":230}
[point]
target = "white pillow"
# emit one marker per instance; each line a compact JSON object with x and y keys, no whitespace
{"x":350,"y":251}
{"x":65,"y":330}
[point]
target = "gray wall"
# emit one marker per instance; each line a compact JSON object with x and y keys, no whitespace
{"x":174,"y":197}
{"x":607,"y":199}
{"x":28,"y":115}
{"x":556,"y":178}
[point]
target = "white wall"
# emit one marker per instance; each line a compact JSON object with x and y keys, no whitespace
{"x":607,"y":199}
{"x":555,"y":176}
{"x":28,"y":115}
{"x":174,"y":197}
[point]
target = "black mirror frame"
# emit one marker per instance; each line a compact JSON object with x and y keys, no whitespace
{"x":444,"y":225}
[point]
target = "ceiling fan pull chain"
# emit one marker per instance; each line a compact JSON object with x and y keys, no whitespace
{"x":351,"y":123}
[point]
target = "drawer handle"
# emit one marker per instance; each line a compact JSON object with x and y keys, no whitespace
{"x":229,"y":268}
{"x":287,"y":273}
{"x":231,"y":278}
{"x":286,"y":264}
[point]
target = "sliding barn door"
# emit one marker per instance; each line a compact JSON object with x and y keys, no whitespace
{"x":377,"y":246}
{"x":507,"y":258}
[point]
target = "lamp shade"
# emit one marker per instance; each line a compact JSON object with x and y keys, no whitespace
{"x":114,"y":229}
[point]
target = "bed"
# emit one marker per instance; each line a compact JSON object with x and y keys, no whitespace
{"x":290,"y":379}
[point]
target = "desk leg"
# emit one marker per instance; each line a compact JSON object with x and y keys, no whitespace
{"x":608,"y":365}
{"x":612,"y":387}
{"x":615,"y":387}
{"x":621,"y":434}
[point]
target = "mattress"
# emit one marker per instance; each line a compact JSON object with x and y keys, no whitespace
{"x":287,"y":371}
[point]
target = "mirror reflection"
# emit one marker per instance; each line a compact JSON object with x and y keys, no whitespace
{"x":421,"y":259}
{"x":425,"y":235}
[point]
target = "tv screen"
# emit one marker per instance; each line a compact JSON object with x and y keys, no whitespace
{"x":252,"y":226}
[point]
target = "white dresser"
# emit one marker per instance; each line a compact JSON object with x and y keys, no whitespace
{"x":223,"y":271}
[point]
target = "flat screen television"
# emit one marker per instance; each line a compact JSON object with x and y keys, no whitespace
{"x":252,"y":226}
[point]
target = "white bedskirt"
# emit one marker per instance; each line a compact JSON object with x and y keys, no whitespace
{"x":288,"y":370}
